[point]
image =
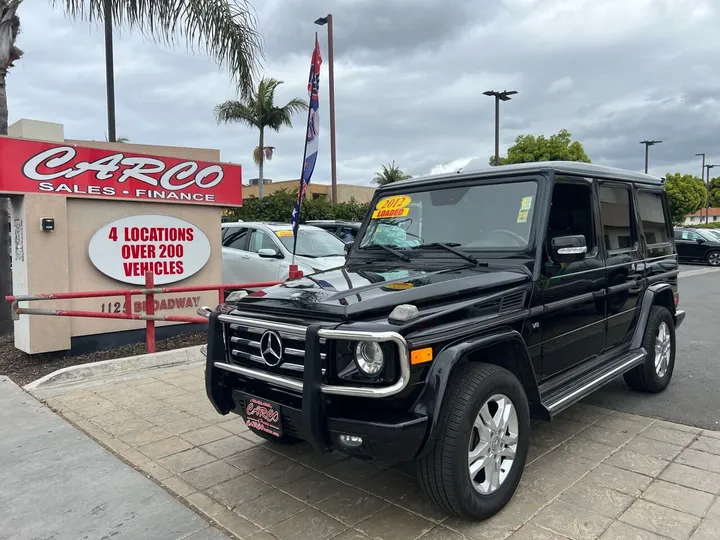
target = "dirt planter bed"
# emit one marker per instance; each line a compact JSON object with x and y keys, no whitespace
{"x":24,"y":368}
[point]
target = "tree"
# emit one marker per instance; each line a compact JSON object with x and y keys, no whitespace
{"x":9,"y":53}
{"x":686,"y":194}
{"x":258,"y":110}
{"x":714,"y":192}
{"x":226,"y":29}
{"x":390,"y":173}
{"x":278,"y":206}
{"x":557,"y":147}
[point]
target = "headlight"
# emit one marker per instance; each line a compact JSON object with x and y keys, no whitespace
{"x":369,"y":357}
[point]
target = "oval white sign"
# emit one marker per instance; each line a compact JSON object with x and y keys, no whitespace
{"x":172,"y":248}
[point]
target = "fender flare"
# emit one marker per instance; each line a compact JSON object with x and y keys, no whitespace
{"x":648,"y":301}
{"x":430,"y":401}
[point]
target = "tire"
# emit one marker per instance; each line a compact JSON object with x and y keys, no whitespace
{"x":654,"y":374}
{"x":282,"y":439}
{"x":713,"y":258}
{"x":443,"y":472}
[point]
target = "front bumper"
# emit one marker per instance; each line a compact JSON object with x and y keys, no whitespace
{"x":305,"y":404}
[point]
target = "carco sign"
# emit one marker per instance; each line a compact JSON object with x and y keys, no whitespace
{"x":38,"y":167}
{"x":172,"y":248}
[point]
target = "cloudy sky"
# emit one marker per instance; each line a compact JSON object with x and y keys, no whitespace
{"x":409,"y":77}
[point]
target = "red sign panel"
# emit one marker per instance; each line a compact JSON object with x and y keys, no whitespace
{"x":39,"y":167}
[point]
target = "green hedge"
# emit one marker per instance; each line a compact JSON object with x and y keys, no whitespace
{"x":711,"y":225}
{"x":279,"y":206}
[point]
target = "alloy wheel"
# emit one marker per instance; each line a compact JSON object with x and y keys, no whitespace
{"x":493,"y":444}
{"x":714,"y":258}
{"x":662,"y":349}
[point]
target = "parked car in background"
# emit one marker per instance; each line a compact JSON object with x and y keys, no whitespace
{"x":255,"y":252}
{"x":697,"y":245}
{"x":344,"y":230}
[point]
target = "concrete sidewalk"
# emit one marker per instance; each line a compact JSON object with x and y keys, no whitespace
{"x":56,"y":483}
{"x":592,"y":473}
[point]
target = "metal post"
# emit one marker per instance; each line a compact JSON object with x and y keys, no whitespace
{"x":702,"y":175}
{"x":331,"y":81}
{"x":497,"y":131}
{"x":109,"y":71}
{"x":149,"y":310}
{"x":647,"y":152}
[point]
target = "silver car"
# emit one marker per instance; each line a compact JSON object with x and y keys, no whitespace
{"x":259,"y":252}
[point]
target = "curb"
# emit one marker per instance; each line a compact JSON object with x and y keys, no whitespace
{"x":116,"y":367}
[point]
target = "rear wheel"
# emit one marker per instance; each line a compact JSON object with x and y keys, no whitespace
{"x":474,"y":467}
{"x":654,"y":374}
{"x":713,"y":258}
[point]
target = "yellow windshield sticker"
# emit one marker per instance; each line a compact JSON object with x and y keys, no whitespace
{"x":390,"y":207}
{"x":526,"y":203}
{"x":525,"y":206}
{"x":284,"y":233}
{"x":522,"y":216}
{"x":399,"y":286}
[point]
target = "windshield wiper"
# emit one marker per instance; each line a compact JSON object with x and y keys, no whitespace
{"x":390,"y":250}
{"x":452,"y":248}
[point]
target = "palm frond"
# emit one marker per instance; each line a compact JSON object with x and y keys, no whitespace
{"x":225,"y":29}
{"x":236,"y":111}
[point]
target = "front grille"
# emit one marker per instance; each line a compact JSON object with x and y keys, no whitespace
{"x":243,"y":343}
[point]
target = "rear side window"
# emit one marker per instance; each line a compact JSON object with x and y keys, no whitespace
{"x":652,"y":215}
{"x":617,"y":222}
{"x":236,"y":238}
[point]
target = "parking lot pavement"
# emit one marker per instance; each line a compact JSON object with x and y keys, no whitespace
{"x":592,"y":473}
{"x":57,"y":484}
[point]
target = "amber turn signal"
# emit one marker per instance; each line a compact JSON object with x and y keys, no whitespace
{"x":420,"y":356}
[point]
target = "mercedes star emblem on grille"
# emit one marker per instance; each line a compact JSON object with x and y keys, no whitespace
{"x":271,"y":348}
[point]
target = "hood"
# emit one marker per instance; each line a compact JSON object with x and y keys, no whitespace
{"x":321,"y":263}
{"x":356,"y":292}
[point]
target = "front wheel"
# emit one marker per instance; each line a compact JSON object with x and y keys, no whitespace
{"x":474,"y":466}
{"x":713,"y":258}
{"x":654,"y":374}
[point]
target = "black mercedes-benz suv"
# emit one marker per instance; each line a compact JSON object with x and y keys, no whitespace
{"x":468,"y":304}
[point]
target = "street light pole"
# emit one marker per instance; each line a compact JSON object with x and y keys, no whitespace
{"x":702,"y":172}
{"x":499,"y":96}
{"x":648,"y":144}
{"x":707,"y":191}
{"x":331,"y":99}
{"x":109,"y":70}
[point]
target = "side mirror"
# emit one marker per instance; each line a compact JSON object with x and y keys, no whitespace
{"x":569,"y":248}
{"x":348,"y":246}
{"x":269,"y":254}
{"x":700,"y":240}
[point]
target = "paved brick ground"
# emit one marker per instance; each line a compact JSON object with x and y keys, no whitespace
{"x":593,"y":473}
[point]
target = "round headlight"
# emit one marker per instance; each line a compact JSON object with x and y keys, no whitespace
{"x":369,"y":357}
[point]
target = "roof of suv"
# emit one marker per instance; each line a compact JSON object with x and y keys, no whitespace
{"x":333,"y":222}
{"x":272,"y":225}
{"x":480,"y":168}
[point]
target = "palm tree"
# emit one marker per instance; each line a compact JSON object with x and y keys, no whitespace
{"x":390,"y":173}
{"x":225,"y":29}
{"x":9,"y":53}
{"x":258,"y":110}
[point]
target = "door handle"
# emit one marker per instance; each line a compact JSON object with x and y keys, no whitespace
{"x":598,"y":294}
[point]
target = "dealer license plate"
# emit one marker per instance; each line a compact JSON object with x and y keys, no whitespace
{"x":263,"y":415}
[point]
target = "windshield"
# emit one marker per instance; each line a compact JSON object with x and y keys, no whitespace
{"x":489,"y":216}
{"x":313,"y":243}
{"x":713,"y":236}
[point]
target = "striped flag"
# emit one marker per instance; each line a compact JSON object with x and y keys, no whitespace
{"x":311,"y":137}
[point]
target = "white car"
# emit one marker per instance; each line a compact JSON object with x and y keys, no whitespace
{"x":258,"y":252}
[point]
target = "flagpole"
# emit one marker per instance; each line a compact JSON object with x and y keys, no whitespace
{"x":302,"y":170}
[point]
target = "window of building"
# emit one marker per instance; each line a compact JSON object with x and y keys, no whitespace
{"x":652,"y":215}
{"x":617,"y":222}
